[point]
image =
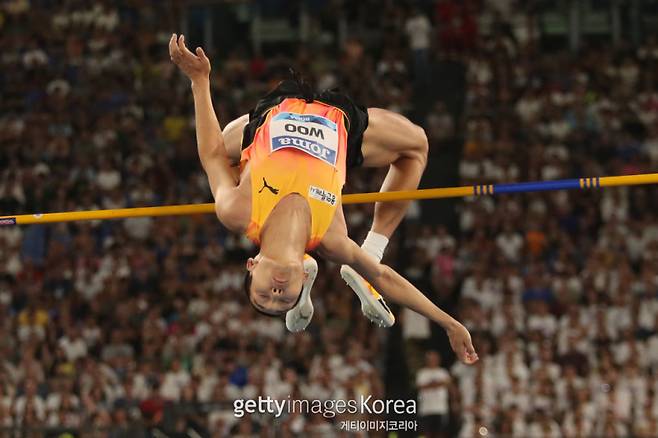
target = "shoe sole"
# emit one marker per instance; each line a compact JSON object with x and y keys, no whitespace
{"x":374,"y":308}
{"x":300,"y":316}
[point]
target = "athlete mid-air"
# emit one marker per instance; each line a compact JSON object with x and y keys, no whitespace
{"x":293,"y":151}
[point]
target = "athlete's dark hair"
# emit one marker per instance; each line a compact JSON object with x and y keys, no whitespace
{"x":305,"y":88}
{"x":247,"y":291}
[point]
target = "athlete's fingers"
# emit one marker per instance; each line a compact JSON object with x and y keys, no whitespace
{"x":180,"y":44}
{"x":173,"y":47}
{"x":469,"y":347}
{"x":470,"y":356}
{"x":183,"y":48}
{"x":201,"y":54}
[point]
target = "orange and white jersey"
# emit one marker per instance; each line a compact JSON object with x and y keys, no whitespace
{"x":300,"y":148}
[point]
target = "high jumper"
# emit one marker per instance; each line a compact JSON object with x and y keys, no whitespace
{"x":293,"y":151}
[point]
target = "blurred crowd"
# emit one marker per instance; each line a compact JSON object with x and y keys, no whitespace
{"x":141,"y":322}
{"x":559,"y":289}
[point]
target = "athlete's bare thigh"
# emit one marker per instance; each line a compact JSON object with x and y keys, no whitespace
{"x":390,"y":136}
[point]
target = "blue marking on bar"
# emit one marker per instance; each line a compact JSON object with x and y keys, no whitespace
{"x":537,"y":186}
{"x":7,"y":221}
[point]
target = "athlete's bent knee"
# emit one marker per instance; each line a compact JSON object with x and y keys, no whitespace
{"x":420,"y":147}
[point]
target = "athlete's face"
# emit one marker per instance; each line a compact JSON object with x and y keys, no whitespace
{"x":275,"y":286}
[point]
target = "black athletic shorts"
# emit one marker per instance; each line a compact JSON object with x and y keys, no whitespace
{"x":356,"y":123}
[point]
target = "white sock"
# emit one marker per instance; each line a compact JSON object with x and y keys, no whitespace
{"x":375,"y":244}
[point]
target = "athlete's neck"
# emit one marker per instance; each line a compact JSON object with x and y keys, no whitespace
{"x":287,"y":230}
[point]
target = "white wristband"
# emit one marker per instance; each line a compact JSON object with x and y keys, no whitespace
{"x":375,"y":245}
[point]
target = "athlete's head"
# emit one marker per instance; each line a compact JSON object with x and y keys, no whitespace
{"x":273,"y":287}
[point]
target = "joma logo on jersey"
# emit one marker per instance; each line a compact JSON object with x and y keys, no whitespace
{"x":310,"y":133}
{"x":306,"y":118}
{"x":315,"y":149}
{"x":304,"y":130}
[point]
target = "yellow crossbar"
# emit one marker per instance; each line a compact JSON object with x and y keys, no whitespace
{"x":357,"y":198}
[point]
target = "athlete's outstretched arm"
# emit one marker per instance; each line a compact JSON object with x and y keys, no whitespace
{"x":342,"y":250}
{"x":210,"y":141}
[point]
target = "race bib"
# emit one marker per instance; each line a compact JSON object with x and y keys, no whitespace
{"x":315,"y":135}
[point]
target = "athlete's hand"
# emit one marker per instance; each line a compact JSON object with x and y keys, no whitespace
{"x":461,"y":343}
{"x":195,"y":66}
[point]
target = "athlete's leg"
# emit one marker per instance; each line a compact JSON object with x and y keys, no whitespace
{"x":392,"y":140}
{"x":232,"y":133}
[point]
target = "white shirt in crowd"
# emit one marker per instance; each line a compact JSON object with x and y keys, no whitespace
{"x":418,"y":29}
{"x":546,"y":324}
{"x":37,"y":403}
{"x":486,"y":293}
{"x":270,"y":328}
{"x":73,"y":348}
{"x":432,"y":401}
{"x":206,"y":387}
{"x":54,"y":401}
{"x":108,"y":179}
{"x":173,"y":384}
{"x":549,"y":430}
{"x":414,"y":325}
{"x":469,"y":169}
{"x":510,"y":244}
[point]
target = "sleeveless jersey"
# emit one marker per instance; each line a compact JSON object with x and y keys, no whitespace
{"x":299,"y":148}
